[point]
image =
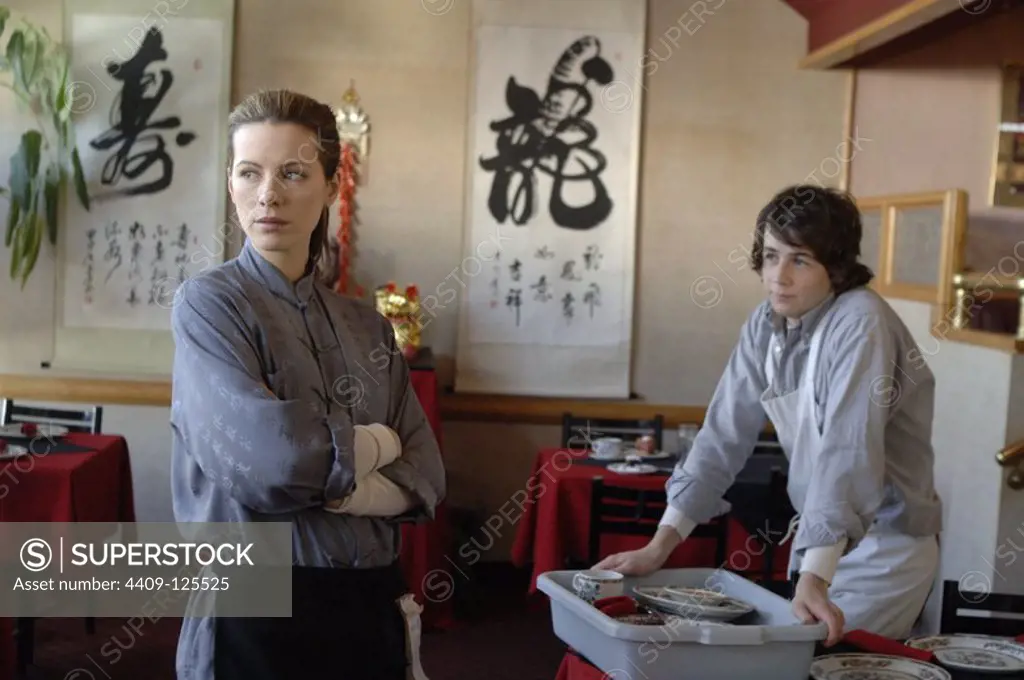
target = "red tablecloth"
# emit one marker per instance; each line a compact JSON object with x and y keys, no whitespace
{"x":424,"y":546}
{"x":94,"y":486}
{"x":556,"y":518}
{"x":70,"y":487}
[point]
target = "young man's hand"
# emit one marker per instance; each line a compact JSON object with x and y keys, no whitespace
{"x":811,"y":605}
{"x":647,"y":559}
{"x":639,"y":562}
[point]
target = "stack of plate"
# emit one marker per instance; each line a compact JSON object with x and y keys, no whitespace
{"x":874,"y":667}
{"x":974,"y":653}
{"x":694,"y":604}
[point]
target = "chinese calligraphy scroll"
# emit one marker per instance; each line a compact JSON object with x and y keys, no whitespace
{"x":150,"y":132}
{"x":552,"y":177}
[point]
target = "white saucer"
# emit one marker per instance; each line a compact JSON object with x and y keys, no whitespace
{"x":874,"y":667}
{"x":12,"y":451}
{"x":654,"y":455}
{"x":593,"y":456}
{"x":632,"y":468}
{"x":974,"y":653}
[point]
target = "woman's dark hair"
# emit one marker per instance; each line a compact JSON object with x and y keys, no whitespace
{"x":285,"y":106}
{"x":826,"y":222}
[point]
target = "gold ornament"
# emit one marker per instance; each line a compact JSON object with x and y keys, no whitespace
{"x":403,"y":311}
{"x":354,"y":129}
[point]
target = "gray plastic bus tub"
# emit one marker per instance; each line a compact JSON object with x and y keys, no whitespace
{"x":769,"y":644}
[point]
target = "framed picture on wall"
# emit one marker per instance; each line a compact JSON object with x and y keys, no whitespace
{"x":1008,"y":171}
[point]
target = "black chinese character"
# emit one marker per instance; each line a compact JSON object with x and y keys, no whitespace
{"x":552,"y":136}
{"x":141,"y":94}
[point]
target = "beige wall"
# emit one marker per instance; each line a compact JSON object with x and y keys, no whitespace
{"x":933,"y":113}
{"x":727,"y":121}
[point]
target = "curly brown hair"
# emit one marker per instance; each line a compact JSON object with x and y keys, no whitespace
{"x":825,"y":221}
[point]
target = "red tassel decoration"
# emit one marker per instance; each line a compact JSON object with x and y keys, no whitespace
{"x":346,"y":211}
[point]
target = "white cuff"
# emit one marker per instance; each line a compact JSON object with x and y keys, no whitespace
{"x":823,"y":561}
{"x":678,"y":521}
{"x":390,"y":444}
{"x":366,"y":451}
{"x":375,"y":496}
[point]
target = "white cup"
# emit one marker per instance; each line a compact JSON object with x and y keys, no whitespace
{"x":595,"y":584}
{"x":608,"y":447}
{"x":687,"y":434}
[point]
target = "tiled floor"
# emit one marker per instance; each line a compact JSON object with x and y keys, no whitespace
{"x":504,"y":639}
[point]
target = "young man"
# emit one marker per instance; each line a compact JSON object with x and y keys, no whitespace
{"x":834,"y":368}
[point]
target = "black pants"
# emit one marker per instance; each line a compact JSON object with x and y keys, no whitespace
{"x":345,"y":622}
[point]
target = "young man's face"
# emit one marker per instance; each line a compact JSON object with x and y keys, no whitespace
{"x":796,"y":283}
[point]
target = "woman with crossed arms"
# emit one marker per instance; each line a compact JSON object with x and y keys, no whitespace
{"x":264,"y":428}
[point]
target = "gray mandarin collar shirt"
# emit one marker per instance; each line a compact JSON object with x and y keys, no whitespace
{"x":269,"y":379}
{"x":875,"y":397}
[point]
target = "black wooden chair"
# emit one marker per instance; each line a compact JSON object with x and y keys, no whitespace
{"x":88,"y":420}
{"x":985,"y":613}
{"x":578,"y":433}
{"x":626,"y":511}
{"x":777,"y":512}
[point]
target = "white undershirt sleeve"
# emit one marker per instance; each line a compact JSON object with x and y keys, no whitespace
{"x":823,"y":561}
{"x":675,"y":519}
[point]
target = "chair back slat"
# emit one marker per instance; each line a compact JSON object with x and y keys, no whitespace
{"x":88,"y":420}
{"x":623,"y":510}
{"x":980,"y":613}
{"x":579,"y":432}
{"x":631,"y":512}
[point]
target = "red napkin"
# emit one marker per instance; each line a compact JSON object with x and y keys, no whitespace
{"x":619,"y":605}
{"x":876,"y":644}
{"x":575,"y":668}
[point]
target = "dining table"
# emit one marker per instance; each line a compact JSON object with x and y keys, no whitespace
{"x":554,"y":524}
{"x":77,"y":477}
{"x":425,"y":545}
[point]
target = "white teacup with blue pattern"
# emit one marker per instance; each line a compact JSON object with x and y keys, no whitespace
{"x":595,"y":584}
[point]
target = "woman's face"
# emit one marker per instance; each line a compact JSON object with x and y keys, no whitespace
{"x":279,"y":190}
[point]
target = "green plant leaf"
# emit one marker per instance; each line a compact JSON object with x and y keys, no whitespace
{"x":5,"y":14}
{"x":52,"y":192}
{"x":19,"y":249}
{"x":79,"y":176}
{"x":12,"y":221}
{"x":25,"y":166}
{"x":32,"y":142}
{"x":19,"y":174}
{"x":61,"y":106}
{"x":31,"y":55}
{"x":14,"y":50}
{"x":34,"y":240}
